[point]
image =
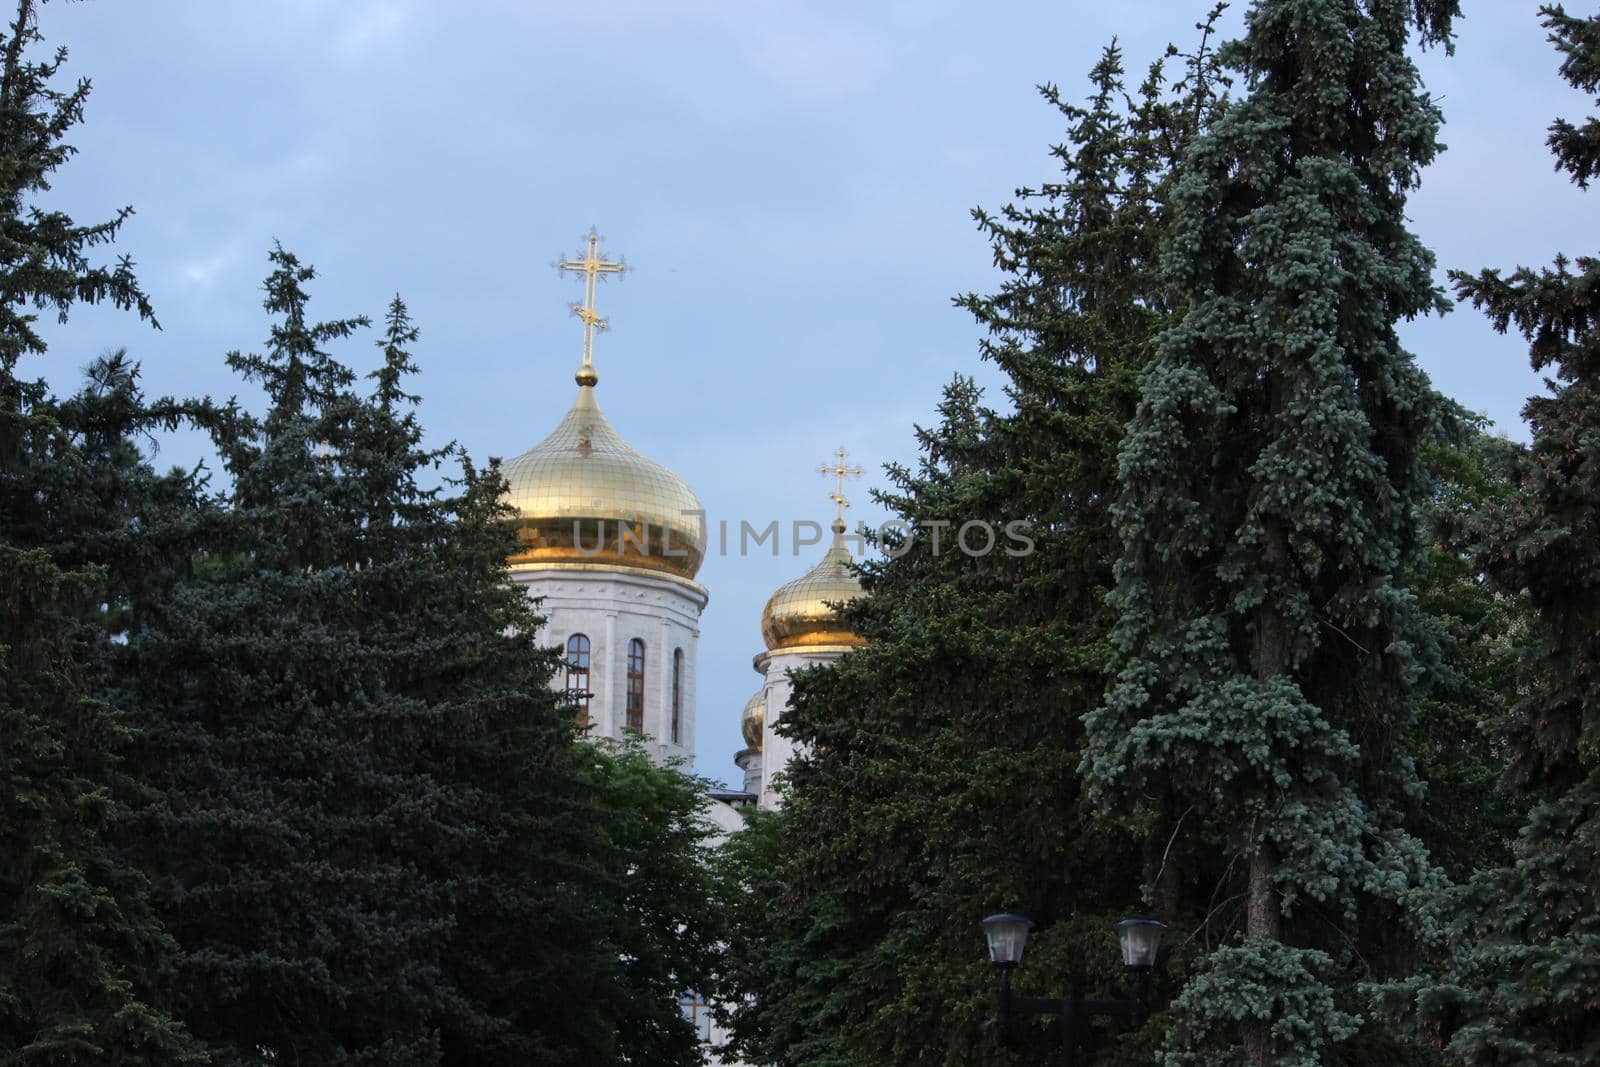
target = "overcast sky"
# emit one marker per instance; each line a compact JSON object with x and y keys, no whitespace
{"x":790,"y":183}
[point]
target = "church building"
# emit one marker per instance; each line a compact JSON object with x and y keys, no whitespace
{"x":611,"y":542}
{"x":801,"y":628}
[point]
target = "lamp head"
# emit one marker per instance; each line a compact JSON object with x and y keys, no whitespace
{"x":1141,"y":942}
{"x":1007,"y":935}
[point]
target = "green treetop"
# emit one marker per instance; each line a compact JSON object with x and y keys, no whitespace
{"x":1266,"y":652}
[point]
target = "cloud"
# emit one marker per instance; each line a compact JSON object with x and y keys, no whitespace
{"x":203,"y":272}
{"x":816,"y":66}
{"x":622,"y":16}
{"x":204,"y":269}
{"x":364,"y":28}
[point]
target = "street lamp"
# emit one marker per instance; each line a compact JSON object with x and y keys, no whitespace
{"x":1007,"y":936}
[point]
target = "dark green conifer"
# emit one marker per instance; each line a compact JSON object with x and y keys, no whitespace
{"x":507,"y":859}
{"x":285,"y":782}
{"x":1523,"y":985}
{"x":939,"y":782}
{"x":580,"y":907}
{"x":76,"y":933}
{"x":1267,"y":652}
{"x":1456,"y":737}
{"x":373,"y":831}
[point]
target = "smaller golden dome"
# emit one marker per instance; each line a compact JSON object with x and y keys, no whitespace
{"x":754,"y":719}
{"x":799,"y":614}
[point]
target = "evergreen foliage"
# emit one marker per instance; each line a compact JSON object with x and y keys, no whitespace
{"x":283,"y":777}
{"x":943,"y":775}
{"x":1523,"y":983}
{"x":1267,"y":654}
{"x":286,"y":795}
{"x":75,"y":931}
{"x":372,"y":831}
{"x":661,"y":903}
{"x":1457,"y":738}
{"x":938,"y":782}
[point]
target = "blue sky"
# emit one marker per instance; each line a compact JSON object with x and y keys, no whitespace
{"x":790,"y":183}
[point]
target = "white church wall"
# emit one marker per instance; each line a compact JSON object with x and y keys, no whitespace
{"x":775,"y":667}
{"x":613,"y":606}
{"x":749,"y":761}
{"x":725,"y":821}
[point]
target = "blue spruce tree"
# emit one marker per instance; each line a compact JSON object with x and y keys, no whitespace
{"x":1267,"y":657}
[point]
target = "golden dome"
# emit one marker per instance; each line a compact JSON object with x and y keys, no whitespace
{"x":583,"y":495}
{"x":798,"y":614}
{"x":754,"y":719}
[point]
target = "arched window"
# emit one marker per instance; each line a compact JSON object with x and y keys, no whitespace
{"x":677,"y":696}
{"x":578,"y":675}
{"x":636,"y":685}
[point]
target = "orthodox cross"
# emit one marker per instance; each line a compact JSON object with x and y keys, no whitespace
{"x":839,"y":471}
{"x":591,"y":266}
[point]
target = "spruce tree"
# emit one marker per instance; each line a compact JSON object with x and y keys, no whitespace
{"x":580,"y":906}
{"x":937,"y":782}
{"x":76,"y":934}
{"x":506,"y":861}
{"x":1523,"y":984}
{"x":1267,"y":654}
{"x":284,"y":776}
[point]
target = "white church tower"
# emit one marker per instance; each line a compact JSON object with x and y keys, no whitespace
{"x":801,"y":628}
{"x":611,"y":542}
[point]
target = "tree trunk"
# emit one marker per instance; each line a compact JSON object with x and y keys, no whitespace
{"x":1262,"y":917}
{"x":1261,"y":902}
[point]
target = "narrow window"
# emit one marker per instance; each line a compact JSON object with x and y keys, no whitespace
{"x":636,"y":685}
{"x":578,"y":676}
{"x":677,"y":696}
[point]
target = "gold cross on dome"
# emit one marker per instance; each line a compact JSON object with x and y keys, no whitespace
{"x":592,"y":266}
{"x":839,"y":471}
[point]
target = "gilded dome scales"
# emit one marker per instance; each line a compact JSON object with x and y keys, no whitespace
{"x":583,"y":495}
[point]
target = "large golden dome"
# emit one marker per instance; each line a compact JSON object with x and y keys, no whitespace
{"x":754,"y":719}
{"x":583,"y":495}
{"x":798,"y":615}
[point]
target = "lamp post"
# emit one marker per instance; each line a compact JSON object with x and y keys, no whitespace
{"x":1008,"y":935}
